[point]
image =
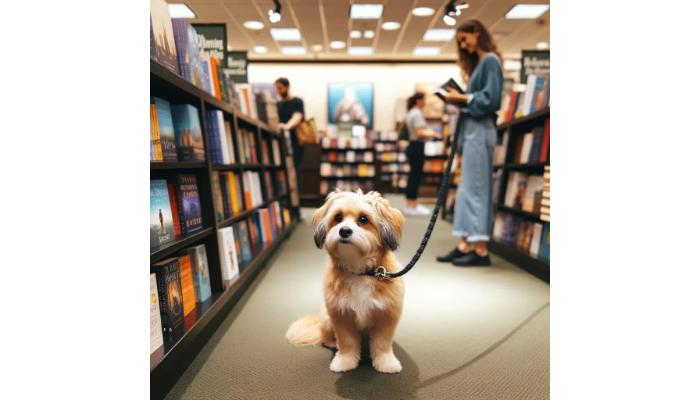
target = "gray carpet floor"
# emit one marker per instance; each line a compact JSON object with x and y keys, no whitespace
{"x":466,"y":333}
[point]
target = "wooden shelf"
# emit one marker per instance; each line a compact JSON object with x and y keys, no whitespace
{"x":523,"y":260}
{"x":541,"y":114}
{"x":520,"y":213}
{"x":243,"y":214}
{"x":527,"y":166}
{"x":349,"y":162}
{"x":167,"y":249}
{"x":347,"y":177}
{"x":178,"y":164}
{"x":348,"y":149}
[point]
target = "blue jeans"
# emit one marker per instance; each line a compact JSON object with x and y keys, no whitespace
{"x":474,"y":203}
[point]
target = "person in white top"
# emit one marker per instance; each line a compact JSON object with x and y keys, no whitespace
{"x":418,"y":134}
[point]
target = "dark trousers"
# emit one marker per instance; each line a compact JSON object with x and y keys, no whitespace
{"x":298,"y":157}
{"x":415,"y":153}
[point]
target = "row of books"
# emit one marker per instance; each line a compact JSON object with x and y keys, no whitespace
{"x":179,"y":285}
{"x":433,"y":166}
{"x":175,"y":209}
{"x":176,"y":134}
{"x":544,"y":207}
{"x":532,"y":147}
{"x":393,"y":157}
{"x":384,"y":135}
{"x":393,"y":147}
{"x":176,"y":45}
{"x":331,"y":143}
{"x":396,"y":167}
{"x":524,"y":192}
{"x":234,"y":193}
{"x":348,"y":156}
{"x":259,"y":100}
{"x":329,"y":185}
{"x":360,"y":170}
{"x":534,"y":98}
{"x":398,"y":181}
{"x":529,"y":237}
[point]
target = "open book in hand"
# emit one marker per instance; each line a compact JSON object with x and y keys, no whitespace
{"x":444,"y":88}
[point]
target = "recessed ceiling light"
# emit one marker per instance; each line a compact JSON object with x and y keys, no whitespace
{"x":426,"y":51}
{"x":260,"y":49}
{"x":254,"y":25}
{"x":391,"y":25}
{"x":368,"y":34}
{"x":439,"y":35}
{"x":355,"y":34}
{"x":423,"y":11}
{"x":366,"y":11}
{"x":293,"y":50}
{"x":337,"y":44}
{"x":181,"y":10}
{"x":527,"y":11}
{"x":512,"y":65}
{"x":317,"y":48}
{"x":542,"y":45}
{"x":360,"y":51}
{"x":285,"y":34}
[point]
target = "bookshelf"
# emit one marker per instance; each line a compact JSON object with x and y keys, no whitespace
{"x":514,"y":128}
{"x":169,"y":361}
{"x":359,"y":172}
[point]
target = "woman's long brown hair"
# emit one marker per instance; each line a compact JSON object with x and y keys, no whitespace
{"x":485,"y":42}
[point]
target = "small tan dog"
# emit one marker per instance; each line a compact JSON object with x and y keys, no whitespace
{"x":359,"y":232}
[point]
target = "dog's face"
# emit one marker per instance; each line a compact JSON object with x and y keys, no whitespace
{"x":355,"y":228}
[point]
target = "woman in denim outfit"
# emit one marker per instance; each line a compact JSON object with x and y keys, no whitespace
{"x":481,"y":62}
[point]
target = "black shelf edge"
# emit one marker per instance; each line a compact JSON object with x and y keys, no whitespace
{"x":178,"y":164}
{"x":220,"y":104}
{"x":512,"y":254}
{"x":170,"y":367}
{"x":244,"y":214}
{"x":173,"y":247}
{"x":174,"y":79}
{"x":347,"y":149}
{"x":350,"y":162}
{"x":530,"y":117}
{"x":523,"y":214}
{"x":348,"y":177}
{"x":439,"y":156}
{"x":526,"y":166}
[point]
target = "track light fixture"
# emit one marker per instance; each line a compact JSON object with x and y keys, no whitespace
{"x":450,"y":13}
{"x":275,"y":15}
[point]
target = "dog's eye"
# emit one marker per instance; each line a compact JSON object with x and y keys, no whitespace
{"x":338,"y":218}
{"x":363,"y":220}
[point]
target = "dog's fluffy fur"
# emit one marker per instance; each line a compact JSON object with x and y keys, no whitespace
{"x":356,"y":303}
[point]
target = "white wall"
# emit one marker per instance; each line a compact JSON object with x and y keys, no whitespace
{"x":391,"y":81}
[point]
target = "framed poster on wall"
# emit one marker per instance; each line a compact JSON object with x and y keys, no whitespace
{"x":351,"y":103}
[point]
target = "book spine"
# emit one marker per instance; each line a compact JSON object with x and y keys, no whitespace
{"x":223,"y":180}
{"x":157,"y":148}
{"x":544,"y":148}
{"x":175,"y":209}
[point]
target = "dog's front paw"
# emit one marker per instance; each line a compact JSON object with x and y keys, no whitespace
{"x":387,"y":363}
{"x":344,"y":362}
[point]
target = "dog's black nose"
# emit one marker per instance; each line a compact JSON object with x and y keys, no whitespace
{"x":345,"y":232}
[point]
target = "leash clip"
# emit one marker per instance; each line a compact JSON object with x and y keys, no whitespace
{"x":380,"y":273}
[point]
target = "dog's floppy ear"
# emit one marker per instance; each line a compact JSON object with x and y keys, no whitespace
{"x":317,"y":220}
{"x":390,"y":221}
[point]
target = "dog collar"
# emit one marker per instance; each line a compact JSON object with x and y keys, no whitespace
{"x":377,"y":272}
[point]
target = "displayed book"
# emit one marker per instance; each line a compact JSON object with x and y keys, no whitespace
{"x":227,"y":254}
{"x":515,"y":189}
{"x":170,"y":296}
{"x":200,"y":272}
{"x":499,"y":157}
{"x":218,"y":138}
{"x":526,"y":148}
{"x":166,"y":131}
{"x":174,"y":209}
{"x":533,"y":191}
{"x":544,"y":244}
{"x":264,"y":223}
{"x":186,"y":284}
{"x":156,"y":325}
{"x":233,"y":196}
{"x":156,"y":148}
{"x":287,"y":217}
{"x":189,"y":207}
{"x":188,"y":133}
{"x":536,"y":240}
{"x":165,"y":49}
{"x":219,"y":212}
{"x":162,"y":230}
{"x":445,"y":88}
{"x":544,"y":148}
{"x":254,"y":235}
{"x":244,"y":237}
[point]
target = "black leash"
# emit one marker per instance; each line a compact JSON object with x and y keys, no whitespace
{"x":380,"y":272}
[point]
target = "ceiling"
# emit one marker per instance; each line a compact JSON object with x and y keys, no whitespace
{"x":323,"y":21}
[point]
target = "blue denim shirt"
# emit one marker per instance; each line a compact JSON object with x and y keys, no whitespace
{"x":486,"y":85}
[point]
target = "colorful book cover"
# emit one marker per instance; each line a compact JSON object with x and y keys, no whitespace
{"x":193,"y":50}
{"x":217,"y":198}
{"x":162,"y":230}
{"x":254,"y":235}
{"x":266,"y":229}
{"x":536,"y":145}
{"x":539,"y":87}
{"x":200,"y":272}
{"x":214,"y":74}
{"x":231,"y":154}
{"x":156,"y":149}
{"x":188,"y":133}
{"x":544,"y":148}
{"x":213,"y":137}
{"x":180,"y":34}
{"x":165,"y":49}
{"x":287,"y":217}
{"x":247,"y":193}
{"x":223,"y":139}
{"x":166,"y":129}
{"x":232,"y":189}
{"x":170,"y":296}
{"x":188,"y":204}
{"x":156,"y":324}
{"x":227,"y":254}
{"x":253,"y":151}
{"x":174,"y":209}
{"x":244,"y":237}
{"x":238,"y":193}
{"x":187,"y":285}
{"x":544,"y":244}
{"x":239,"y":252}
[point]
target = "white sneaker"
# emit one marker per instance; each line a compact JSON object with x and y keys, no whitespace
{"x":423,"y":210}
{"x":412,"y":211}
